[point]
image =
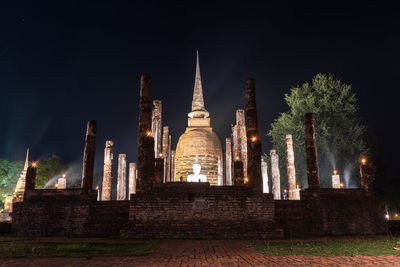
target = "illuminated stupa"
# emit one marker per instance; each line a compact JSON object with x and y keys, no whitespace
{"x":199,"y":143}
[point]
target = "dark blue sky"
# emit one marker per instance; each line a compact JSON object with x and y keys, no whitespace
{"x":62,"y":64}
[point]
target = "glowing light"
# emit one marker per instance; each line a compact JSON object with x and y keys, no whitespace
{"x":246,"y":180}
{"x":64,"y":175}
{"x":148,"y":133}
{"x":160,"y":155}
{"x":396,"y":215}
{"x":387,"y":216}
{"x":56,"y":186}
{"x":34,"y":164}
{"x":253,"y":139}
{"x":237,"y":158}
{"x":97,"y":187}
{"x":363,"y":161}
{"x":335,"y":172}
{"x":285,"y":191}
{"x":341,"y":185}
{"x":297,"y":186}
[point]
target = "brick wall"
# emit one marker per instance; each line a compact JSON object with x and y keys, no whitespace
{"x":196,"y":210}
{"x":68,"y":212}
{"x":338,"y":212}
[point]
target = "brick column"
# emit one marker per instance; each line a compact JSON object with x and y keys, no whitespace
{"x":312,"y":157}
{"x":290,"y":169}
{"x":166,"y":148}
{"x":367,"y":181}
{"x":145,"y":162}
{"x":276,"y":176}
{"x":159,"y":171}
{"x":121,"y":182}
{"x":238,"y":172}
{"x":156,"y":123}
{"x":30,"y":179}
{"x":88,"y":156}
{"x":106,"y":193}
{"x":228,"y":161}
{"x":253,"y":139}
{"x":132,"y":179}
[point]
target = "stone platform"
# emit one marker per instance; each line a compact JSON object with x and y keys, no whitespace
{"x":197,"y":211}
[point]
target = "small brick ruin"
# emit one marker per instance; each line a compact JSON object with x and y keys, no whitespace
{"x":160,"y":207}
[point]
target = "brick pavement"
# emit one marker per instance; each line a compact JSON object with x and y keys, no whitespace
{"x":208,"y":253}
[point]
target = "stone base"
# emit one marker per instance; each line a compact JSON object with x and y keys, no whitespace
{"x":198,"y":210}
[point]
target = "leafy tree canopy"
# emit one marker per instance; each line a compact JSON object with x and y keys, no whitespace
{"x":339,"y":133}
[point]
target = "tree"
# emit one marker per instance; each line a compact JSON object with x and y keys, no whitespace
{"x":339,"y":133}
{"x":48,"y":168}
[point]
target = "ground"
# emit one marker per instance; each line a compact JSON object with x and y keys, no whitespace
{"x":204,"y":253}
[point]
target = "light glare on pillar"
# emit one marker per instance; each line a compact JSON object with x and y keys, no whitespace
{"x":148,"y":133}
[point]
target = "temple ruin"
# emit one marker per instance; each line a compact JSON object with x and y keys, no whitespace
{"x":188,"y":193}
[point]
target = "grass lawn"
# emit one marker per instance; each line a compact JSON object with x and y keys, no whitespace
{"x":331,"y":247}
{"x":19,"y":247}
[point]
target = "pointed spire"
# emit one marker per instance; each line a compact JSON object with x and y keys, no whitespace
{"x":26,"y":160}
{"x":198,"y":100}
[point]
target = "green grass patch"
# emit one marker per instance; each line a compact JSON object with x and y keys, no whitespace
{"x":28,"y":248}
{"x":351,"y":247}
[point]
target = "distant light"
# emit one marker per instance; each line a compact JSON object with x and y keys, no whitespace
{"x":387,"y":216}
{"x":64,"y":175}
{"x":148,"y":133}
{"x":56,"y":186}
{"x":237,"y":158}
{"x":335,"y":172}
{"x":34,"y":164}
{"x":160,"y":155}
{"x":97,"y":187}
{"x":363,"y":161}
{"x":246,"y":180}
{"x":341,"y":185}
{"x":297,"y":186}
{"x":253,"y":139}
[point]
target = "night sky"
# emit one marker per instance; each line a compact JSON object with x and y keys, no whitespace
{"x":64,"y":64}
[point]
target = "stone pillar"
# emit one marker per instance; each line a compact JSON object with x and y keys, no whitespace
{"x":238,"y":172}
{"x":159,"y":171}
{"x":335,"y":180}
{"x":88,"y":156}
{"x":239,"y":140}
{"x":106,"y":193}
{"x":312,"y":157}
{"x":228,"y":161}
{"x":121,"y":182}
{"x":220,"y":171}
{"x":145,"y":163}
{"x":276,"y":177}
{"x":166,"y":147}
{"x":156,"y":127}
{"x":253,"y":139}
{"x":30,"y":179}
{"x":173,"y":166}
{"x":132,"y":179}
{"x":264,"y":172}
{"x":62,"y":182}
{"x":290,"y":168}
{"x":367,"y":181}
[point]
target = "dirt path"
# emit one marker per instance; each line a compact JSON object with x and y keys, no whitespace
{"x":207,"y":253}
